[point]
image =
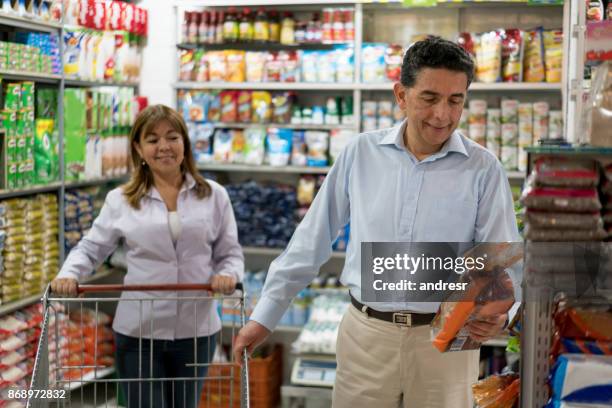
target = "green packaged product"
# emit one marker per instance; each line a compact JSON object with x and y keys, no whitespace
{"x":21,"y":153}
{"x":46,"y":103}
{"x":27,"y":95}
{"x":74,"y":153}
{"x":74,"y":109}
{"x":13,"y":97}
{"x":20,"y":178}
{"x":44,"y":152}
{"x":12,"y":175}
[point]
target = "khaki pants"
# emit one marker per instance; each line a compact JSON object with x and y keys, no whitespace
{"x":383,"y":365}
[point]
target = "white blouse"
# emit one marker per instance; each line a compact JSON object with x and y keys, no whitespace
{"x":207,"y":245}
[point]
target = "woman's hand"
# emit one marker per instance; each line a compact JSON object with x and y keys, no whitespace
{"x":223,"y":284}
{"x":65,"y":287}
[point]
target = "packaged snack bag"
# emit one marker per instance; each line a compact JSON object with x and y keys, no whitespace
{"x":512,"y":55}
{"x":489,"y":292}
{"x":533,"y":69}
{"x":488,"y":57}
{"x":553,"y":54}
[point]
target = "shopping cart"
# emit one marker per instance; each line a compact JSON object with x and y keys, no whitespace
{"x":73,"y":350}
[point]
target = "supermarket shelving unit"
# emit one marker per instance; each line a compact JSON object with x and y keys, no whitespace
{"x":61,"y":82}
{"x":369,"y":26}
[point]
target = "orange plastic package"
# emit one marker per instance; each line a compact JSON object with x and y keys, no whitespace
{"x":497,"y":391}
{"x":489,"y":292}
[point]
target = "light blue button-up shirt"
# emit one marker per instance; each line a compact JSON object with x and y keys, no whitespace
{"x":459,"y":194}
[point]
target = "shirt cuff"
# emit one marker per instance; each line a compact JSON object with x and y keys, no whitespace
{"x":268,"y":312}
{"x":67,"y":275}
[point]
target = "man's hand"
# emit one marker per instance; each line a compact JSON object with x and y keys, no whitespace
{"x":65,"y":287}
{"x":223,"y":284}
{"x":249,"y":337}
{"x":484,"y":328}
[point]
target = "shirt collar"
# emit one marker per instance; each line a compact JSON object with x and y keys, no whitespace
{"x":395,"y":136}
{"x":188,"y":184}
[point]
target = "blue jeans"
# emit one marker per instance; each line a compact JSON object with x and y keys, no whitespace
{"x":169,"y":358}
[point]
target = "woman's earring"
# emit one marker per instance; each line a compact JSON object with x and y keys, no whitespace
{"x":143,"y":163}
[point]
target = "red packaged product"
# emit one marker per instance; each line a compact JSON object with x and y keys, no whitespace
{"x":244,"y":106}
{"x":338,"y":32}
{"x":115,"y":18}
{"x":349,"y":25}
{"x":466,"y":41}
{"x":290,"y":68}
{"x":512,"y":55}
{"x":82,"y":8}
{"x":229,"y":107}
{"x":327,"y":25}
{"x":127,"y":17}
{"x":99,"y":17}
{"x":564,"y":172}
{"x":561,"y":199}
{"x":144,"y":28}
{"x":393,"y":62}
{"x":273,"y":68}
{"x":585,"y":323}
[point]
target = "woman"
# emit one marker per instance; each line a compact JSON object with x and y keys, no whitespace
{"x":177,"y":228}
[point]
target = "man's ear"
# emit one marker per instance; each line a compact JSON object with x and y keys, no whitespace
{"x":401,"y":95}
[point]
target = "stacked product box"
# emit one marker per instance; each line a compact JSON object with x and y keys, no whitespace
{"x":30,"y":252}
{"x":31,"y":52}
{"x":18,"y":122}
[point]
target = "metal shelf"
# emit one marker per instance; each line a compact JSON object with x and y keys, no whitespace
{"x":55,"y":186}
{"x":14,"y":20}
{"x":263,"y":168}
{"x":221,"y":125}
{"x":21,"y":303}
{"x":477,"y":86}
{"x":30,"y":76}
{"x":288,"y":86}
{"x":96,"y":182}
{"x":261,"y":251}
{"x":85,"y":83}
{"x":570,"y":150}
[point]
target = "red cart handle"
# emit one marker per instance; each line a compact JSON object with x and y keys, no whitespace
{"x":163,"y":287}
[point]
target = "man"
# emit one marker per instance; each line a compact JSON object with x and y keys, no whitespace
{"x":420,"y":181}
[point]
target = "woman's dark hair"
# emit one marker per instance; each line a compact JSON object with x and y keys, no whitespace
{"x":435,"y":52}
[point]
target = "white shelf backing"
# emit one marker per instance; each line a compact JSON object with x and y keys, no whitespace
{"x":478,"y":87}
{"x":263,"y":169}
{"x":14,"y":20}
{"x":30,"y":76}
{"x":283,"y":86}
{"x":283,"y":125}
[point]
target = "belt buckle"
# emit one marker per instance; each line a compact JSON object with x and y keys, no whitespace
{"x":403,"y":319}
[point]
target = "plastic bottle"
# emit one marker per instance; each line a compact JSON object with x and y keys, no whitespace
{"x":192,"y":35}
{"x":212,"y":28}
{"x":219,"y":28}
{"x":349,"y":25}
{"x":300,"y":32}
{"x":338,"y":26}
{"x":275,"y":28}
{"x":313,"y":30}
{"x":262,"y":26}
{"x":231,"y":28}
{"x":327,"y":25}
{"x":185,"y":27}
{"x":246,"y":26}
{"x":203,"y":27}
{"x":287,"y":34}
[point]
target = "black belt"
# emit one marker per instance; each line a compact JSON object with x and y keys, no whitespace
{"x":402,"y":318}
